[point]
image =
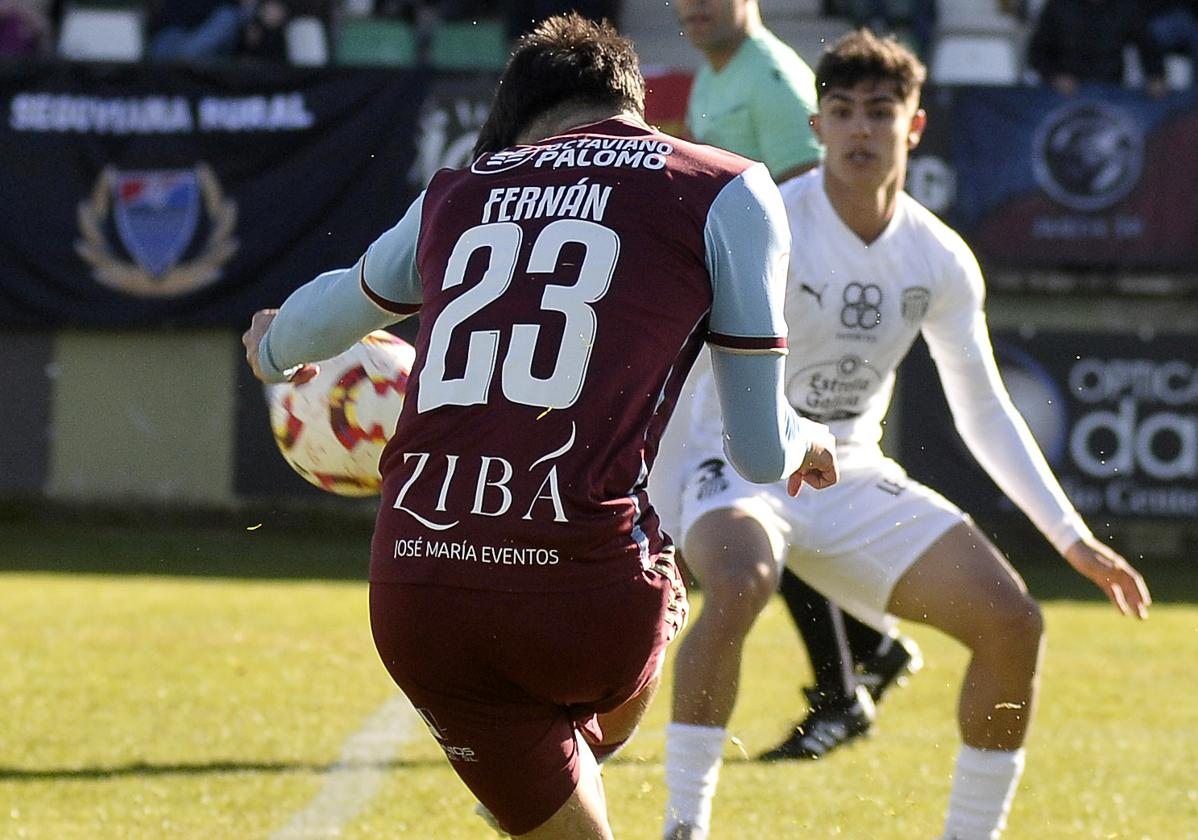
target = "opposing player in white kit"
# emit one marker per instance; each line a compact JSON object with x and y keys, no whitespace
{"x":870,"y":269}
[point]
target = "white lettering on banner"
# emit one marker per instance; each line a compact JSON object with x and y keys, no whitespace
{"x":131,"y":115}
{"x":1173,"y":382}
{"x":1128,"y":438}
{"x":1123,"y":497}
{"x":281,"y":112}
{"x":1134,"y":443}
{"x":65,"y":114}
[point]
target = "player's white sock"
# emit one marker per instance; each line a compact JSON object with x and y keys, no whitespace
{"x":693,"y":758}
{"x":983,"y":787}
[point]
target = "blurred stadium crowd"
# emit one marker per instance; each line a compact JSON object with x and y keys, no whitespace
{"x":1139,"y":43}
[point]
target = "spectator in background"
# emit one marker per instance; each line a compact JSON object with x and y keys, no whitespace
{"x":1079,"y":41}
{"x":24,"y":29}
{"x":1174,"y":26}
{"x":187,"y":30}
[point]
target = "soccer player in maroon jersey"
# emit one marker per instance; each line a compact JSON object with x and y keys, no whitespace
{"x":522,"y":593}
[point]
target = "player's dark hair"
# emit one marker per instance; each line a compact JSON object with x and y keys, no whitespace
{"x":861,"y":56}
{"x":565,"y":59}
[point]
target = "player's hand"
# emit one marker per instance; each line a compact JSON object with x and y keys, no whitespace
{"x":1113,"y":575}
{"x":252,"y":339}
{"x":819,"y":467}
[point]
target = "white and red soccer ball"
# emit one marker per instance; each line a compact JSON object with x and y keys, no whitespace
{"x":332,"y":428}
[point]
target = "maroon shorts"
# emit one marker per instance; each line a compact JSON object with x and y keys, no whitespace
{"x":505,"y":679}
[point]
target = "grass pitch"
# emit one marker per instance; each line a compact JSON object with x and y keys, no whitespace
{"x":207,"y":682}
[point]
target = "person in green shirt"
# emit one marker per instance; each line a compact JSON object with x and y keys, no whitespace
{"x":754,"y":96}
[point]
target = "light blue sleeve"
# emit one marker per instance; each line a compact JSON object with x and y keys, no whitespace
{"x":329,"y":314}
{"x":748,"y":247}
{"x":763,"y":437}
{"x":389,"y":273}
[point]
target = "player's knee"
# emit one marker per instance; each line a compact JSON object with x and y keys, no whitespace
{"x":735,"y":593}
{"x":749,"y":585}
{"x":1016,"y":623}
{"x":731,"y":545}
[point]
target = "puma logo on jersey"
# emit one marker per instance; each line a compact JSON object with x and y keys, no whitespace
{"x":819,"y":296}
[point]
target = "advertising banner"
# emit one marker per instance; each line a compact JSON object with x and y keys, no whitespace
{"x":1115,"y":414}
{"x":1106,"y":178}
{"x":191,"y":196}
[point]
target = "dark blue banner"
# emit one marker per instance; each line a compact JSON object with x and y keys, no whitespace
{"x":1106,"y":178}
{"x":144,"y":197}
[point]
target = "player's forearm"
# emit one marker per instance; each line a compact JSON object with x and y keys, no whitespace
{"x":998,"y":437}
{"x":1006,"y":449}
{"x":319,"y":320}
{"x":763,"y":437}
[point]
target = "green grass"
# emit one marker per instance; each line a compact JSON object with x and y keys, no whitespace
{"x":199,"y":680}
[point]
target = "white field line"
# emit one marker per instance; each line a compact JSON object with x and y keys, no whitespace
{"x":355,"y":779}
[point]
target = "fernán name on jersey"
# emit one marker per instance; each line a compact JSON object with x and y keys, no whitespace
{"x":581,"y":200}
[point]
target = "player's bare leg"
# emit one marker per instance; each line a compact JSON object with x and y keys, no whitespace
{"x":584,"y":814}
{"x":964,"y":587}
{"x":730,"y":554}
{"x":620,"y":723}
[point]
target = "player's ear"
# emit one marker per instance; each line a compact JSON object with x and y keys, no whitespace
{"x":919,"y":121}
{"x":813,"y":121}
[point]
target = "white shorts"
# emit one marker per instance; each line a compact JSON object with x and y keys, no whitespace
{"x":851,"y":542}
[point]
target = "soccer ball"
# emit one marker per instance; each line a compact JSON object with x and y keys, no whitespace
{"x":332,"y":428}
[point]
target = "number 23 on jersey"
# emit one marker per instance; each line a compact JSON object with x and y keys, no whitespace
{"x":564,"y":385}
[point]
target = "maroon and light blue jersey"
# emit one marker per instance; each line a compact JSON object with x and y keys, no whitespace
{"x":564,"y":291}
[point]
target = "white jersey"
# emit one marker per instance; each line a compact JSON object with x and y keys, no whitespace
{"x":854,"y":310}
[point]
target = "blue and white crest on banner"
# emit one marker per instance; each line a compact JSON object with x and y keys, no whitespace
{"x":156,"y":214}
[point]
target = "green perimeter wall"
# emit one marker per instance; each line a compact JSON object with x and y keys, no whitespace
{"x":143,"y":415}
